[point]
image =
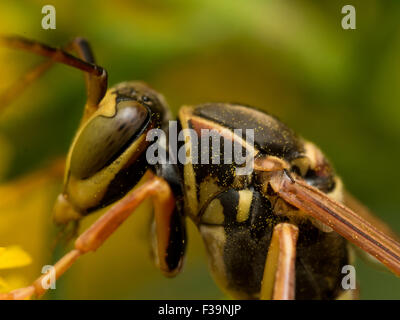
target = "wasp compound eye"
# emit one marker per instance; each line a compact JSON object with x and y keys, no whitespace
{"x":104,"y":139}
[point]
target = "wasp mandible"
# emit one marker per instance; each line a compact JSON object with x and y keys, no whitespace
{"x":278,"y":232}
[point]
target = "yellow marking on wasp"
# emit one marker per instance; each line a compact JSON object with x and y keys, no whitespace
{"x":314,"y":154}
{"x":243,"y":211}
{"x":214,"y":214}
{"x":107,"y":107}
{"x":207,"y":190}
{"x":222,"y":131}
{"x":188,"y":171}
{"x":303,"y":164}
{"x":337,"y":192}
{"x":214,"y":238}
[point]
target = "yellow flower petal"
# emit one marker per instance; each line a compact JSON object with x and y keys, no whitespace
{"x":13,"y":257}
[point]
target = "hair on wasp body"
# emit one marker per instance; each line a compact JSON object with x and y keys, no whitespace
{"x":279,"y":231}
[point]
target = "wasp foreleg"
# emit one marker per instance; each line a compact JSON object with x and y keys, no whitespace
{"x":279,"y":273}
{"x":93,"y":238}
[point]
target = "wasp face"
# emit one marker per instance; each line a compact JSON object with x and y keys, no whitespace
{"x":107,"y":157}
{"x":142,"y":93}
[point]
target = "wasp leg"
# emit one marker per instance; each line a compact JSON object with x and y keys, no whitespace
{"x":168,"y":237}
{"x":96,"y":79}
{"x":97,"y":233}
{"x":279,"y":273}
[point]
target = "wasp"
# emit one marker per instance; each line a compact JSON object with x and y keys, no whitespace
{"x":281,"y":231}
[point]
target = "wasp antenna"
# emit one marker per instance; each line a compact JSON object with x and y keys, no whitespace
{"x":97,"y":76}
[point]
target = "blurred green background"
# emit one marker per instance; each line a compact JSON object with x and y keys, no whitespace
{"x":338,"y":88}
